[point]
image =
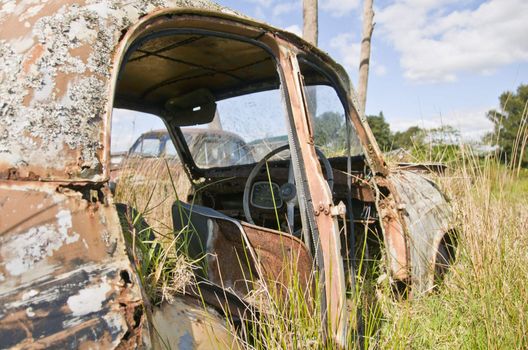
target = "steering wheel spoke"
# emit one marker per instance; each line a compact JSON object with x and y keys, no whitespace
{"x":288,"y":190}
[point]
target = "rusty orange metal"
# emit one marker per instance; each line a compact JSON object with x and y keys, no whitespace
{"x":65,"y":277}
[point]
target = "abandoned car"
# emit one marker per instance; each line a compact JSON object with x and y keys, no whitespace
{"x":209,"y":148}
{"x":66,"y":279}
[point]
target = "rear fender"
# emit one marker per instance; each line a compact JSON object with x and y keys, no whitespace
{"x":426,"y":217}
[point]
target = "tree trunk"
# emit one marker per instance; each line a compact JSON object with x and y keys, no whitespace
{"x":310,"y":21}
{"x":368,"y":27}
{"x":310,"y":34}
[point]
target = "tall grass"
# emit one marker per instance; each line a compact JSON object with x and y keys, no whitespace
{"x":482,"y":302}
{"x":147,"y":185}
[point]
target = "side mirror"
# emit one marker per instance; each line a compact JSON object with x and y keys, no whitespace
{"x":197,"y":107}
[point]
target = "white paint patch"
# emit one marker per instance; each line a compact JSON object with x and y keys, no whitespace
{"x":44,"y":92}
{"x":101,"y":9}
{"x":31,"y":12}
{"x":114,"y":321}
{"x":28,"y":248}
{"x":89,"y":300}
{"x":9,"y":7}
{"x":31,"y":298}
{"x":79,"y":31}
{"x":22,"y":45}
{"x":30,"y":294}
{"x":29,"y":312}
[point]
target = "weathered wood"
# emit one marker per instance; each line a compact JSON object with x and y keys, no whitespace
{"x":310,"y":34}
{"x":364,"y":62}
{"x":310,"y":21}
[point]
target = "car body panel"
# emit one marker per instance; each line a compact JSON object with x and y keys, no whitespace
{"x":186,"y":324}
{"x":64,"y":268}
{"x":66,"y":279}
{"x":428,"y":218}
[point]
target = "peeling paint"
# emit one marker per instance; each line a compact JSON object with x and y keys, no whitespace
{"x":29,"y":294}
{"x":65,"y":259}
{"x":61,"y":257}
{"x":54,"y":81}
{"x":28,"y":248}
{"x":29,"y":312}
{"x":89,"y":300}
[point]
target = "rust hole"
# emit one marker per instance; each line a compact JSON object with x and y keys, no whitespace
{"x":125,"y":276}
{"x":132,"y":336}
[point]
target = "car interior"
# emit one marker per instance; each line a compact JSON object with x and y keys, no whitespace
{"x":243,"y":214}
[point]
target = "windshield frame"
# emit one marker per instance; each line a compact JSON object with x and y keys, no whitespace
{"x":176,"y":133}
{"x":333,"y":83}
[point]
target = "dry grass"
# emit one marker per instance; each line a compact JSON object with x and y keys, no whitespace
{"x":145,"y":184}
{"x":151,"y":186}
{"x":482,"y":302}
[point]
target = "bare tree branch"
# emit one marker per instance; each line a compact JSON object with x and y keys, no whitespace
{"x":310,"y":21}
{"x":364,"y":63}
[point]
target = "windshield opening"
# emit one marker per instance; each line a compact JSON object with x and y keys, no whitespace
{"x":331,"y":126}
{"x":224,"y":95}
{"x":244,"y":130}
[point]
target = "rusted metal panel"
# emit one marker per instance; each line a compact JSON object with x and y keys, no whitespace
{"x":57,"y":60}
{"x":185,"y":324}
{"x":327,"y":226}
{"x":393,"y":227}
{"x":280,"y":256}
{"x":427,"y":217}
{"x":65,"y":278}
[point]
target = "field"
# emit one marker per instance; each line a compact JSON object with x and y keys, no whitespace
{"x":482,"y":302}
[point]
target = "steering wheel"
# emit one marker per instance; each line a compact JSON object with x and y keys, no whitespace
{"x":288,"y":191}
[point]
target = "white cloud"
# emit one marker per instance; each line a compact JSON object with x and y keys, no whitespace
{"x":380,"y":70}
{"x":263,"y":3}
{"x":295,"y":29}
{"x":472,"y":123}
{"x":338,"y":8}
{"x":437,"y":43}
{"x":284,"y":8}
{"x":348,"y":50}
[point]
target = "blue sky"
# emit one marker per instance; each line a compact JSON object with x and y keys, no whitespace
{"x":433,"y":62}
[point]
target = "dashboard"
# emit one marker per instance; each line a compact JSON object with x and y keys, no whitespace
{"x":266,"y":195}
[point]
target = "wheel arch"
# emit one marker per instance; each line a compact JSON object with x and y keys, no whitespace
{"x":425,"y":220}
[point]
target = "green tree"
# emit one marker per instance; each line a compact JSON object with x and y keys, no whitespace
{"x":510,"y":125}
{"x":410,"y":138}
{"x":443,"y":135}
{"x":330,"y":131}
{"x":381,"y":130}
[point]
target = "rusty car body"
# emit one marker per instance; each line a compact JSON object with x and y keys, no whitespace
{"x":209,"y":147}
{"x":66,"y":279}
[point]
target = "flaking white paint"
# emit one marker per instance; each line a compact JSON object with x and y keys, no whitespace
{"x":89,"y":299}
{"x":24,"y":250}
